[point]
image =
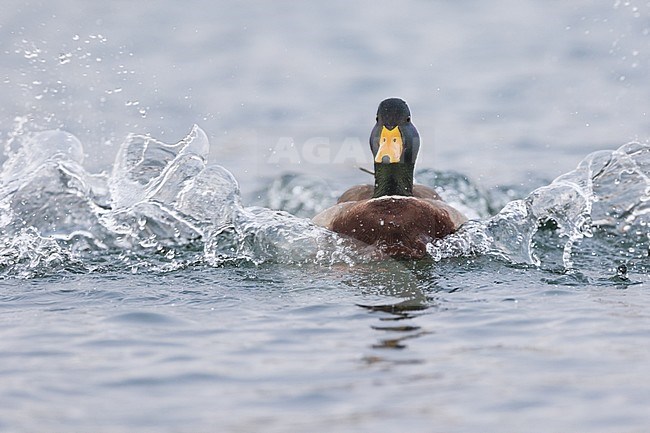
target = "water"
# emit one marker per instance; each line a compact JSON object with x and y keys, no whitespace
{"x":153,"y":279}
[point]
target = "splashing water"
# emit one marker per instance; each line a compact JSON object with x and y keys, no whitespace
{"x":163,"y":207}
{"x":607,"y":192}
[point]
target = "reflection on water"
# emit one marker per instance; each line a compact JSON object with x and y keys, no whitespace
{"x":409,"y":286}
{"x":395,"y":336}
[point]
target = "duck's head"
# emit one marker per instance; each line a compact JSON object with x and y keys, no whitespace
{"x":394,"y":139}
{"x":395,"y":143}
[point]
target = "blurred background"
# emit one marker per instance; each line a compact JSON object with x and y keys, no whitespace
{"x":505,"y":91}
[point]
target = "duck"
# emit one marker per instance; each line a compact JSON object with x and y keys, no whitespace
{"x":395,"y":216}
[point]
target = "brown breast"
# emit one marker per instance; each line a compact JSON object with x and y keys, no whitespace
{"x":399,"y":226}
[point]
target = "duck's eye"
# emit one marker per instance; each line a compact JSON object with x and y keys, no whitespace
{"x":394,"y":140}
{"x":408,"y":119}
{"x":383,"y":139}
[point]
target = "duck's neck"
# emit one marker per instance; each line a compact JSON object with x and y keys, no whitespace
{"x":393,"y":179}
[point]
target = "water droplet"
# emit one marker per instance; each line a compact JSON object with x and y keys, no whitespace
{"x":31,"y":54}
{"x":65,"y":58}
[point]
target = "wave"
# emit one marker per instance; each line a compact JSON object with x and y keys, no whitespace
{"x":163,"y":207}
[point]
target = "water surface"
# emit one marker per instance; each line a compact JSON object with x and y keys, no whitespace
{"x":159,"y":272}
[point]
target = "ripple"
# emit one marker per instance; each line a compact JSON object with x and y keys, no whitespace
{"x":154,"y":381}
{"x":147,"y":318}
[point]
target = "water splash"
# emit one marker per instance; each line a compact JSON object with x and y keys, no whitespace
{"x":166,"y":195}
{"x":299,"y":194}
{"x":27,"y":254}
{"x":609,"y":191}
{"x":459,"y":191}
{"x":44,"y":188}
{"x":163,"y":207}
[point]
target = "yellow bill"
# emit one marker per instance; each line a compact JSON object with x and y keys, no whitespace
{"x":390,"y":144}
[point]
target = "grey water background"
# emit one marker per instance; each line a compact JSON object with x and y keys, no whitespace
{"x":500,"y":91}
{"x":509,"y":93}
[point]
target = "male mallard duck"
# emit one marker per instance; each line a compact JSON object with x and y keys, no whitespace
{"x":399,"y":218}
